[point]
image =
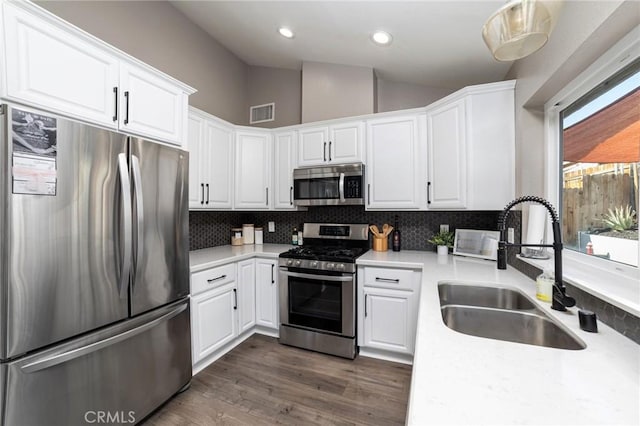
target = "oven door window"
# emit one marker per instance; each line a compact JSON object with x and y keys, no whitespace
{"x":315,"y":304}
{"x":317,"y":189}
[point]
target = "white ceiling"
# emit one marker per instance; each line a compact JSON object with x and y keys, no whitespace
{"x":435,"y":43}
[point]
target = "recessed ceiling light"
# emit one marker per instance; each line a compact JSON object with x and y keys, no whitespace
{"x":285,"y":32}
{"x":382,"y":38}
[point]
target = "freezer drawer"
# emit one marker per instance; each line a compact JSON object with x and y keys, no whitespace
{"x":124,"y":372}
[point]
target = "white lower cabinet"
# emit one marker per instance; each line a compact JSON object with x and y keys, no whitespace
{"x":227,"y":302}
{"x":267,"y":293}
{"x":388,"y":311}
{"x":246,"y":295}
{"x":213,"y":321}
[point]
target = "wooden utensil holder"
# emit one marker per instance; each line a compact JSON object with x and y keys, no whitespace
{"x":380,"y":244}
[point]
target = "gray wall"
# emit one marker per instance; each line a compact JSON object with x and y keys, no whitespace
{"x":282,"y":86}
{"x":157,"y":33}
{"x":334,"y":91}
{"x":393,"y":96}
{"x":585,"y":30}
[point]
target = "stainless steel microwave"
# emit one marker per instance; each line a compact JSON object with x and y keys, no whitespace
{"x":341,"y":184}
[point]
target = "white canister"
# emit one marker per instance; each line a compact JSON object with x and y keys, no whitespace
{"x":258,"y":235}
{"x":248,"y":233}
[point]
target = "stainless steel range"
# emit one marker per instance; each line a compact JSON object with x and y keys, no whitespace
{"x":318,"y":289}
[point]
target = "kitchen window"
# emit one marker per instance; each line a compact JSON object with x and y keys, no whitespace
{"x":599,"y":166}
{"x":592,"y":136}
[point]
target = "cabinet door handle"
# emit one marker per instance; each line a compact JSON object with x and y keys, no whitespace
{"x":202,"y":198}
{"x":126,"y":113}
{"x":324,"y":152}
{"x":266,"y":191}
{"x":207,"y":194}
{"x":235,"y":298}
{"x":365,"y":305}
{"x":273,"y":280}
{"x":115,"y":115}
{"x":291,"y":195}
{"x":221,"y":277}
{"x":388,"y":280}
{"x":329,"y":150}
{"x":369,"y":194}
{"x":428,"y":192}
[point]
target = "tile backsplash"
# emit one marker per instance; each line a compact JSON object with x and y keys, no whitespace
{"x":210,"y":229}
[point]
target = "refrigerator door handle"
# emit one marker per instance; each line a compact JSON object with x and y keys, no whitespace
{"x":139,"y":199}
{"x":85,"y":350}
{"x":125,"y":186}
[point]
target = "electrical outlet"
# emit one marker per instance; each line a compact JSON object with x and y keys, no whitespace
{"x":510,"y":236}
{"x":444,"y":228}
{"x":272,"y":227}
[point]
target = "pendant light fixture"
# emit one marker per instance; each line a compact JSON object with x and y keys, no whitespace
{"x":520,"y":28}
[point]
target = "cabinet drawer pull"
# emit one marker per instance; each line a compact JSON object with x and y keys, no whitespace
{"x":273,"y":280}
{"x":221,"y":277}
{"x":126,"y":113}
{"x":115,"y":116}
{"x":235,"y":297}
{"x":388,"y":280}
{"x":428,"y":192}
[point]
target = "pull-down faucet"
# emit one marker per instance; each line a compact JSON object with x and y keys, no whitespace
{"x":560,"y":300}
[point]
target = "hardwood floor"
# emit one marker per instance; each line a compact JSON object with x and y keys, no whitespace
{"x":261,"y":382}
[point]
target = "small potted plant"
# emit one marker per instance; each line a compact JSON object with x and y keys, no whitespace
{"x":444,"y":241}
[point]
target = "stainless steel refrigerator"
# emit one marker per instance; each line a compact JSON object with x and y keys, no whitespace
{"x":94,"y":272}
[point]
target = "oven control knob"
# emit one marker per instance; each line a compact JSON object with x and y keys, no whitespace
{"x":331,"y":266}
{"x":314,"y":264}
{"x":289,"y":262}
{"x":340,"y":267}
{"x":298,"y":263}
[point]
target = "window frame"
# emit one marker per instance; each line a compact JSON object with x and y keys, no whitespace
{"x":615,"y":59}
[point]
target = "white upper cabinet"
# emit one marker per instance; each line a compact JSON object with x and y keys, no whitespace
{"x":447,"y":156}
{"x":395,"y":146}
{"x":197,"y":156}
{"x":51,"y":68}
{"x":284,"y":163}
{"x":210,"y":145}
{"x":51,"y":64}
{"x":152,"y":106}
{"x":471,"y":148}
{"x":335,"y":144}
{"x":253,"y":170}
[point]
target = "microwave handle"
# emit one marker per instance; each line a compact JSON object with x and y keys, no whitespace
{"x":341,"y":187}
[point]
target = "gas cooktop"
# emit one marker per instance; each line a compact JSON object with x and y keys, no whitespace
{"x":328,"y":253}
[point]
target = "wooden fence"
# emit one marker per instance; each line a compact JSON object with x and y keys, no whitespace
{"x":585,"y":205}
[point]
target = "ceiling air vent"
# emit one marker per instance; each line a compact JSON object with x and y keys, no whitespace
{"x":262,"y":113}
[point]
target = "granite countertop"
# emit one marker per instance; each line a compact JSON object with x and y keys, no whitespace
{"x":202,"y":259}
{"x":463,"y":379}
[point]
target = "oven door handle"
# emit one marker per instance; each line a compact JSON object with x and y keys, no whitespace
{"x":318,"y":277}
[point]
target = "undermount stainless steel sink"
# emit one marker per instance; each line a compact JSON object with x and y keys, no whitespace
{"x":503,"y":314}
{"x":488,"y":297}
